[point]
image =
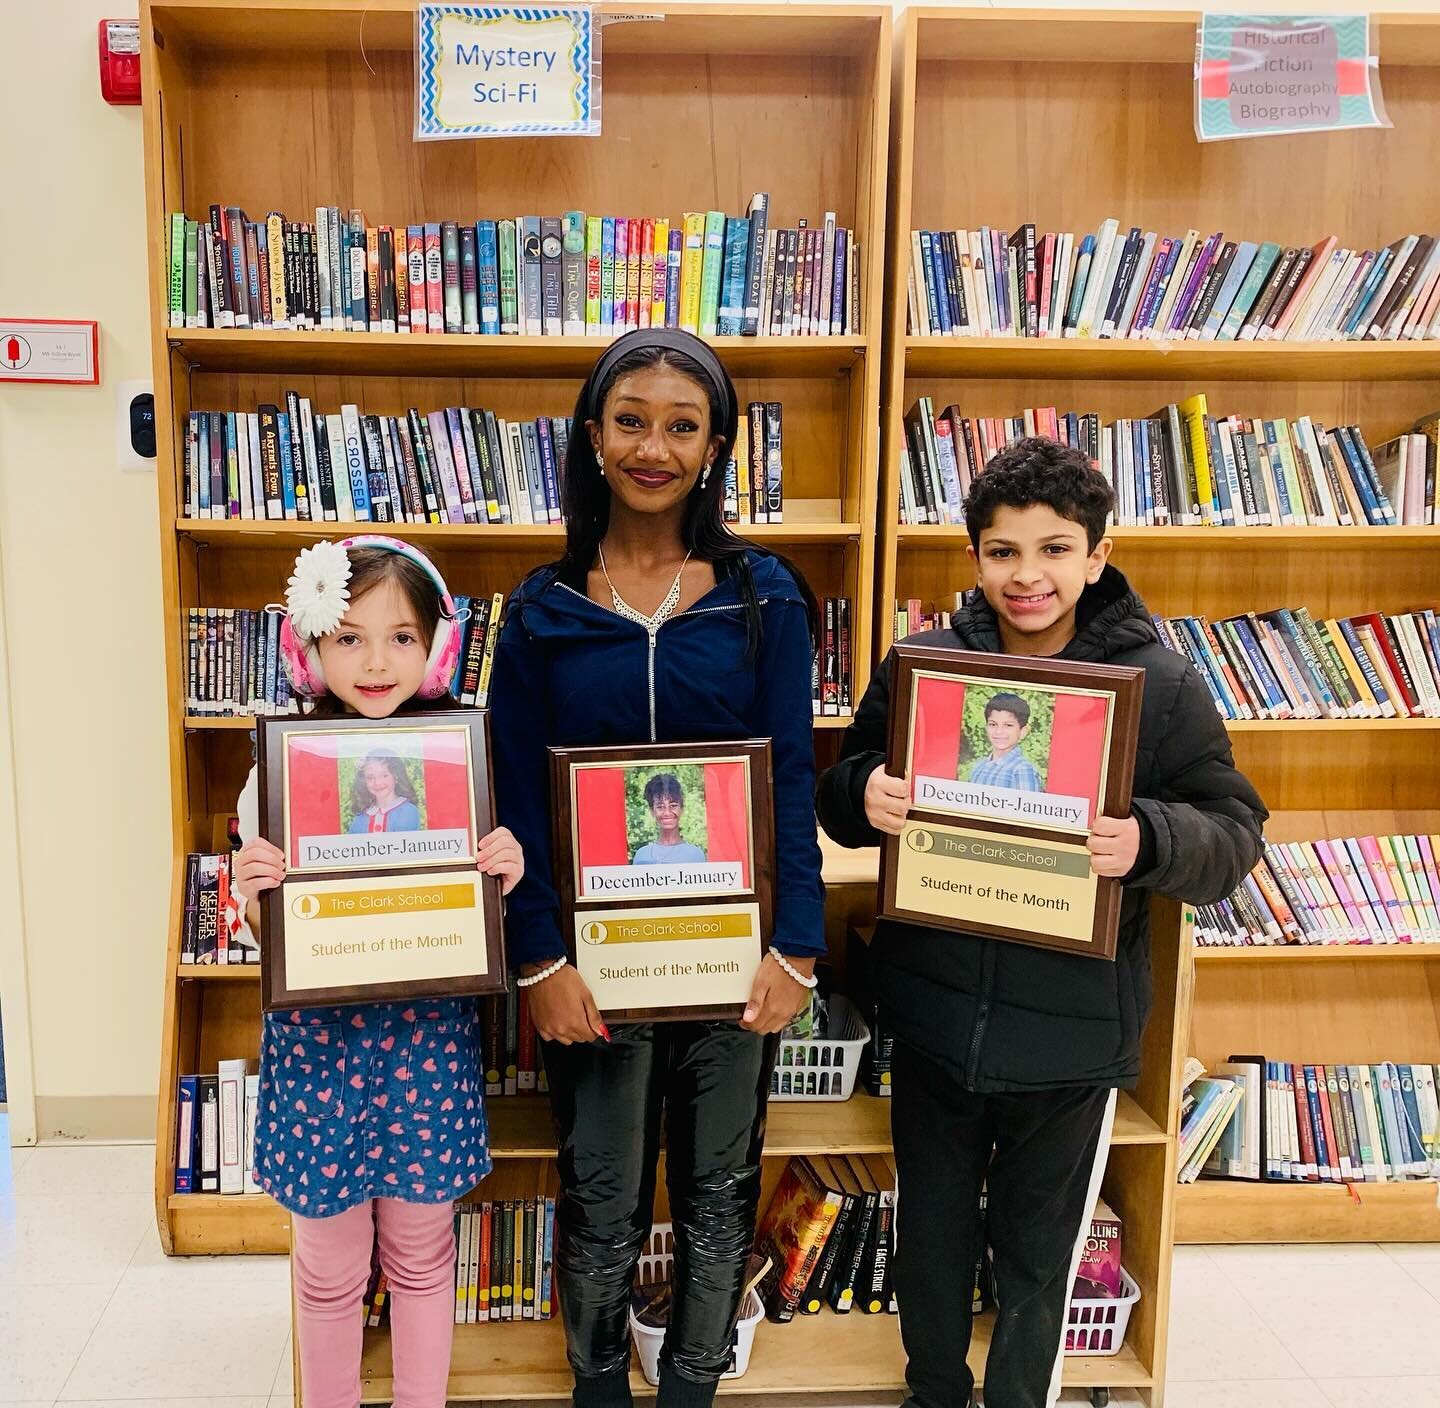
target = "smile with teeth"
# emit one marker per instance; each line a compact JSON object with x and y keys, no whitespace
{"x":1030,"y":601}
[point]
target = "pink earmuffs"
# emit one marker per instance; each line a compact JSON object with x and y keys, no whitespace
{"x":300,"y":653}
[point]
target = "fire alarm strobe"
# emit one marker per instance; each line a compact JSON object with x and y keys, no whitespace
{"x":120,"y":61}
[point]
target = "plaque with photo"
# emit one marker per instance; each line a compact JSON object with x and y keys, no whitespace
{"x":663,"y":864}
{"x":1009,"y":759}
{"x":380,"y":821}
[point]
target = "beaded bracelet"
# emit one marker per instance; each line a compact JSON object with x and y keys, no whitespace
{"x":544,"y":973}
{"x":792,"y":971}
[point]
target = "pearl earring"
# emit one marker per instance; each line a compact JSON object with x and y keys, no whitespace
{"x":600,"y":460}
{"x":705,"y":476}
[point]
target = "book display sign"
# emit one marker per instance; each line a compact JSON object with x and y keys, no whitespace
{"x":1010,"y":760}
{"x":506,"y":71}
{"x":1273,"y":75}
{"x":663,"y":860}
{"x":380,"y":821}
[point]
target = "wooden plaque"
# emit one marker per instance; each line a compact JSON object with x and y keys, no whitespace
{"x":664,"y":862}
{"x":380,"y":821}
{"x":1009,"y":760}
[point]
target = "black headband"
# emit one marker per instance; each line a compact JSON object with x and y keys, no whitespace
{"x":672,"y":340}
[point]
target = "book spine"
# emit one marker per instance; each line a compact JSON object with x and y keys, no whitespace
{"x":469,"y":279}
{"x":574,"y":273}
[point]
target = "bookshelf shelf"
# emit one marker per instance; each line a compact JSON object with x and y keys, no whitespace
{"x":1319,"y":953}
{"x":507,"y":537}
{"x":203,"y":1224}
{"x":217,"y":973}
{"x":1345,"y":726}
{"x":823,"y":1353}
{"x":520,"y":1126}
{"x":456,"y":355}
{"x":200,"y":723}
{"x":947,"y":537}
{"x":1082,"y":359}
{"x":1115,"y":37}
{"x":1219,"y":1211}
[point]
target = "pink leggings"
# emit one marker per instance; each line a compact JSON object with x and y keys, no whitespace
{"x":332,"y":1268}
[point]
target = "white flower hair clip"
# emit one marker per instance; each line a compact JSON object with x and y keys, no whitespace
{"x":318,"y":590}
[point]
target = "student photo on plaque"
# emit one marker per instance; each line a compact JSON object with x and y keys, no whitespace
{"x":665,"y":800}
{"x":383,"y":797}
{"x":1006,"y":720}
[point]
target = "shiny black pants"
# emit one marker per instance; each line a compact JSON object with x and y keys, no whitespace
{"x":710,"y":1080}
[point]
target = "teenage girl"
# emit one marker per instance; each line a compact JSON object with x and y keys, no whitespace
{"x":371,"y":1119}
{"x":657,"y":624}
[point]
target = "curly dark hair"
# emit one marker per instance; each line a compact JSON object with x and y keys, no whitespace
{"x":664,"y":784}
{"x":1040,"y":471}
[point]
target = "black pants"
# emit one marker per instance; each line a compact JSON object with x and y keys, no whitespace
{"x":1039,"y":1156}
{"x":711,"y":1081}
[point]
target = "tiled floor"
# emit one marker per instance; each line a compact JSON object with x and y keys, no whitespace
{"x":89,"y":1308}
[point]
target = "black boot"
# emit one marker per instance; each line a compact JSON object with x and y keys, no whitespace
{"x":678,"y":1392}
{"x":610,"y":1390}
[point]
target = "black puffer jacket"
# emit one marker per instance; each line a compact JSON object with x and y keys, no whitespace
{"x":1007,"y":1016}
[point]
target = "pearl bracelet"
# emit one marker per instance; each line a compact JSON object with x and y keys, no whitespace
{"x":544,"y":973}
{"x":793,"y":972}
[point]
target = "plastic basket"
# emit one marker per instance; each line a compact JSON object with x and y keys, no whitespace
{"x":1097,"y":1327}
{"x":655,"y":1264}
{"x":823,"y":1068}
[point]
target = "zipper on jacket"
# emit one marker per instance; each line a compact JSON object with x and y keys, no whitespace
{"x":982,"y":1013}
{"x":652,"y":636}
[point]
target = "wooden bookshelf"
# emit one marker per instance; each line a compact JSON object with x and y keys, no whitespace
{"x":278,"y":107}
{"x":1108,"y":96}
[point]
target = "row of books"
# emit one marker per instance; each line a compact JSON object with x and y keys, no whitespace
{"x":1344,"y":890}
{"x":215,"y":1130}
{"x":233,"y":663}
{"x":997,"y":283}
{"x":510,"y":1052}
{"x":829,"y":1233}
{"x":571,"y":275}
{"x":213,"y":929}
{"x":505,"y":1249}
{"x":1288,"y":1122}
{"x":1285,"y":664}
{"x":913,"y":616}
{"x":457,"y":465}
{"x":1185,"y":467}
{"x":833,"y":667}
{"x":234,"y":668}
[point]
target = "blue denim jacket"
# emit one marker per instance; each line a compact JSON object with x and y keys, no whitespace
{"x":570,"y":673}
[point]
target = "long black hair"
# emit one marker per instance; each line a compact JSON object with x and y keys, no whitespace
{"x":585,"y":493}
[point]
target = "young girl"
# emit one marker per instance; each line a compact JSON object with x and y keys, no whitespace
{"x":348,"y":1141}
{"x":384,"y":796}
{"x":657,"y":624}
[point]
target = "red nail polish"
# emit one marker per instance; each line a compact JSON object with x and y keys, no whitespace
{"x":604,"y":1031}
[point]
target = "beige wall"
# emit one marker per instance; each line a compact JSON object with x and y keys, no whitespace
{"x":83,"y":770}
{"x":79,"y":573}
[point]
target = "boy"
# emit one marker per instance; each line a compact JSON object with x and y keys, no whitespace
{"x":1007,"y":1057}
{"x":1007,"y":722}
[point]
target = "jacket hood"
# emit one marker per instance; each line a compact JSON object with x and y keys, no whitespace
{"x":1110,"y":621}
